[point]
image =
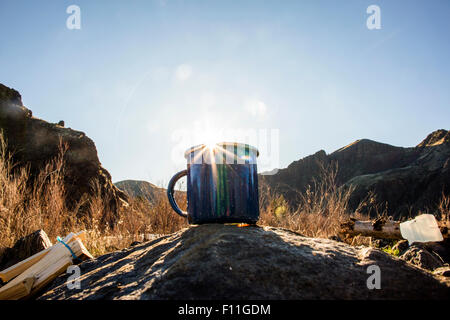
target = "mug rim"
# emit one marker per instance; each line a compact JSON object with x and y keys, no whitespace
{"x":202,"y":146}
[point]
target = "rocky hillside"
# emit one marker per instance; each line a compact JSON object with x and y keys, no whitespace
{"x":34,"y":142}
{"x":138,"y":188}
{"x":407,"y":179}
{"x":226,"y":262}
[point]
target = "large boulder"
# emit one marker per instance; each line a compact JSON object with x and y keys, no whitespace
{"x":34,"y":142}
{"x":227,"y":262}
{"x":428,"y":255}
{"x":24,"y":247}
{"x":418,"y":255}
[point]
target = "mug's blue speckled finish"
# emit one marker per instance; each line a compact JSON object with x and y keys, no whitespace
{"x":222,"y":184}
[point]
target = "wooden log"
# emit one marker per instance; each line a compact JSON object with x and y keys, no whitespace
{"x":386,"y":229}
{"x":381,"y":228}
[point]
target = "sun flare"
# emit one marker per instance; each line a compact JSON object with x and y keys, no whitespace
{"x":211,"y":145}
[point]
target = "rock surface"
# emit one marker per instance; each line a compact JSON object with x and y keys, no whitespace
{"x":35,"y":142}
{"x":421,"y":257}
{"x":408,"y":179}
{"x":24,"y":247}
{"x":443,"y":271}
{"x":227,"y":262}
{"x":401,"y":246}
{"x":429,"y":255}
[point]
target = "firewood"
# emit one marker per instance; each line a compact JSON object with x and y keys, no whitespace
{"x":11,"y":272}
{"x":55,"y":261}
{"x":50,"y":274}
{"x":20,"y":267}
{"x":19,"y":290}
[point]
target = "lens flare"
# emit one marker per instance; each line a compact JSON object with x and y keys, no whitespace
{"x":211,"y":145}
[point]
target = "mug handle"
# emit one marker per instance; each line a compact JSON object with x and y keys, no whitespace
{"x":170,"y":191}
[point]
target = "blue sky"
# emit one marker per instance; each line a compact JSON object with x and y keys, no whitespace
{"x":141,"y":75}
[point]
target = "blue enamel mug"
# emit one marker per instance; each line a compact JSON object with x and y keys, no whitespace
{"x":222,"y":184}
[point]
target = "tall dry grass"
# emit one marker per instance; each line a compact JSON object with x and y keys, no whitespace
{"x":443,"y":210}
{"x":140,"y":220}
{"x":322,"y":208}
{"x":28,"y":204}
{"x":31,"y":203}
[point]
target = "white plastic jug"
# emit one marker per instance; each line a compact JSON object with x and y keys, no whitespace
{"x":423,"y":228}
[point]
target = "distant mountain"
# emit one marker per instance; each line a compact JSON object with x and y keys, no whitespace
{"x":138,"y":188}
{"x":407,"y":179}
{"x":271,"y":172}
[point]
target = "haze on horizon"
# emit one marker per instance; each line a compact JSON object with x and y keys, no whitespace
{"x":140,"y":75}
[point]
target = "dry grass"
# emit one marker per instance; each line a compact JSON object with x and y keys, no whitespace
{"x":27,"y":205}
{"x":139,"y":220}
{"x":443,"y":212}
{"x":322,"y":209}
